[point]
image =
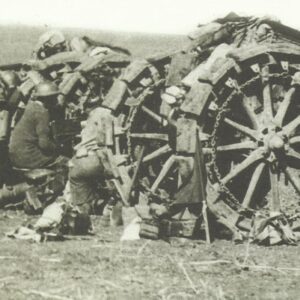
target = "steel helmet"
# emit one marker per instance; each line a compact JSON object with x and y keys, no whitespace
{"x":49,"y":43}
{"x":10,"y":78}
{"x":51,"y":38}
{"x":46,"y":89}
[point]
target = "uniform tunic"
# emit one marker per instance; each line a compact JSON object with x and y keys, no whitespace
{"x":91,"y":164}
{"x":30,"y":144}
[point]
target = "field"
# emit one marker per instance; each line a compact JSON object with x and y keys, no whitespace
{"x":17,"y":42}
{"x":102,"y":267}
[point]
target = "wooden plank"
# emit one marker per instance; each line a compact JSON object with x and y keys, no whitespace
{"x":196,"y":98}
{"x":181,"y":64}
{"x":186,"y":135}
{"x":115,"y":95}
{"x":163,"y":173}
{"x":135,"y":71}
{"x":121,"y":190}
{"x":150,"y":136}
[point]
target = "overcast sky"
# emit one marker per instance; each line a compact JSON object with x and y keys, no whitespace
{"x":164,"y":16}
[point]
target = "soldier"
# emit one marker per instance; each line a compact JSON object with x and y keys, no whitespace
{"x":31,"y":145}
{"x":49,"y":43}
{"x":91,"y":163}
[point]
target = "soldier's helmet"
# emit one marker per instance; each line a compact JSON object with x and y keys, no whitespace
{"x":46,"y":89}
{"x":10,"y":78}
{"x":49,"y":43}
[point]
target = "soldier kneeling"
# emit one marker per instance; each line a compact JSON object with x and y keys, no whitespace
{"x":91,"y":164}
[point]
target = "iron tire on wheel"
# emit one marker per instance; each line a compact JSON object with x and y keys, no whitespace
{"x":254,"y":130}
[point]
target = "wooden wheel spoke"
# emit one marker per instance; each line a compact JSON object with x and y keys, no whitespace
{"x":284,"y":106}
{"x":250,"y":112}
{"x":291,"y":178}
{"x":252,"y":158}
{"x":244,"y":129}
{"x":274,"y":176}
{"x":267,"y":98}
{"x":292,"y":126}
{"x":268,"y":110}
{"x":295,"y":140}
{"x":294,"y":154}
{"x":151,"y":136}
{"x":154,"y":116}
{"x":157,"y":153}
{"x":164,"y":171}
{"x":252,"y":185}
{"x":237,"y":146}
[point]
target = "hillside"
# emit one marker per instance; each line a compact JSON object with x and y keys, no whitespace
{"x":17,"y":41}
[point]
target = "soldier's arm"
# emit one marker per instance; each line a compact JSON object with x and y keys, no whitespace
{"x":43,"y":133}
{"x":14,"y":100}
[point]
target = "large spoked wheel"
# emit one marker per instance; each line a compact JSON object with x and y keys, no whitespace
{"x":249,"y":125}
{"x":150,"y":136}
{"x":255,"y":160}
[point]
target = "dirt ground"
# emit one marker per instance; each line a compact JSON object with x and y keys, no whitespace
{"x":102,"y":267}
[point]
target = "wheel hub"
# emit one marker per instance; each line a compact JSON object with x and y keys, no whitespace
{"x":255,"y":142}
{"x":275,"y":142}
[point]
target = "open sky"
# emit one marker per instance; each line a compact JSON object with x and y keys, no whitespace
{"x":159,"y":16}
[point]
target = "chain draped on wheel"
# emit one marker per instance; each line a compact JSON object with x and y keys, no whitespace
{"x":230,"y":199}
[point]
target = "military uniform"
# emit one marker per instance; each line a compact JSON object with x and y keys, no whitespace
{"x":92,"y":163}
{"x":31,"y":145}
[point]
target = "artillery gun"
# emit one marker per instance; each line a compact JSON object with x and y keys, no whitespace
{"x":236,"y":87}
{"x":83,"y":80}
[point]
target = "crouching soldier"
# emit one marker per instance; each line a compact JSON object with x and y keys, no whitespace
{"x":91,"y":163}
{"x":31,"y":145}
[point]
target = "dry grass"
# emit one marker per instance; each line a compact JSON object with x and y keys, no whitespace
{"x":101,"y":267}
